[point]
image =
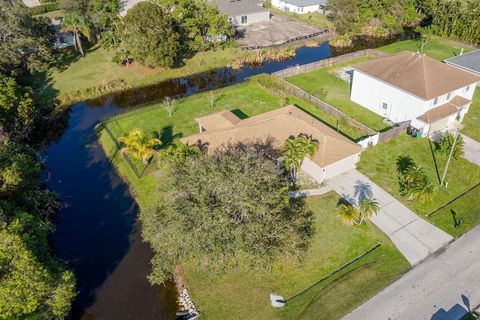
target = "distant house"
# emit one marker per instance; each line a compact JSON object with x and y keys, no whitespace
{"x":414,"y":87}
{"x":243,"y":12}
{"x":31,"y":3}
{"x":63,"y":39}
{"x":300,"y":6}
{"x":336,"y":154}
{"x":468,"y":61}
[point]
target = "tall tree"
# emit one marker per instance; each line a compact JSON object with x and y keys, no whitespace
{"x":223,"y":210}
{"x":26,"y":42}
{"x":75,"y":23}
{"x":149,"y":35}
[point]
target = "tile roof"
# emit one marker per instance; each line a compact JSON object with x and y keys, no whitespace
{"x":239,"y":7}
{"x":444,"y":110}
{"x":469,"y":61}
{"x":417,"y":74}
{"x":280,"y":124}
{"x":218,"y":120}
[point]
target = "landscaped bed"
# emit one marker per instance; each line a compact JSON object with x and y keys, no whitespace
{"x":379,"y":164}
{"x":323,"y":84}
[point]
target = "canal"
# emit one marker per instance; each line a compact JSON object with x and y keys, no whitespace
{"x":97,"y":233}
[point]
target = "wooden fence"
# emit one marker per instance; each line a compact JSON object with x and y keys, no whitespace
{"x":393,"y":132}
{"x":334,"y":112}
{"x":329,"y":62}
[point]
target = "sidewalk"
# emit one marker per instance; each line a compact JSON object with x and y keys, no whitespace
{"x":414,"y":237}
{"x":471,"y":150}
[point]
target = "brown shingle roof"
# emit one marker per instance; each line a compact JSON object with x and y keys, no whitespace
{"x":281,"y":124}
{"x":218,"y":120}
{"x":417,"y":74}
{"x":444,"y":110}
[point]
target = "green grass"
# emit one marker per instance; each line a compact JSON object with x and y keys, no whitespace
{"x":436,"y":48}
{"x":379,"y":164}
{"x":314,"y":19}
{"x":338,"y":93}
{"x":76,"y":73}
{"x":53,"y":14}
{"x":242,"y":295}
{"x":472,"y":118}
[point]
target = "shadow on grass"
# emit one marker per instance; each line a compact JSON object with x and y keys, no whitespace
{"x":434,"y":160}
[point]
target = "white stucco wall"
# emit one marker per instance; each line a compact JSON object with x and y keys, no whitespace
{"x":292,"y":8}
{"x":251,"y":18}
{"x":320,"y":174}
{"x":402,"y":106}
{"x":372,"y":93}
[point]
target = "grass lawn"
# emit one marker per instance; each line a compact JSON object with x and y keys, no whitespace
{"x":96,"y":67}
{"x":472,"y":118}
{"x":338,"y":93}
{"x":379,"y":164}
{"x":53,"y":14}
{"x":315,"y":19}
{"x":436,"y":48}
{"x":241,"y":295}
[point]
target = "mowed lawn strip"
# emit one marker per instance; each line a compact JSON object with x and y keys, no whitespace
{"x":242,"y":295}
{"x":472,"y":118}
{"x":379,"y":164}
{"x":337,"y":93}
{"x":436,"y":48}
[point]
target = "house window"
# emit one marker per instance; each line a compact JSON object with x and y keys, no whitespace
{"x":467,"y":89}
{"x":384,"y":106}
{"x":301,"y":9}
{"x":244,"y":19}
{"x":435,"y":101}
{"x":449,"y":95}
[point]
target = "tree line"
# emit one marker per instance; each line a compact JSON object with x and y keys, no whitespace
{"x":33,"y":283}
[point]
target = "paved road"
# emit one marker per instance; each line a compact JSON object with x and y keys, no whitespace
{"x":433,"y":289}
{"x":414,"y":237}
{"x":471,"y":150}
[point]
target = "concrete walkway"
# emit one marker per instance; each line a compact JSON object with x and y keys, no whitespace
{"x":309,"y":192}
{"x":31,"y":3}
{"x":443,"y":287}
{"x":471,"y":149}
{"x":414,"y":237}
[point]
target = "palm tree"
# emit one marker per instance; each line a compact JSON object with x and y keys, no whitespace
{"x":76,"y":24}
{"x":139,"y":145}
{"x":348,"y":213}
{"x":367,"y":208}
{"x":423,"y":190}
{"x":296,"y":149}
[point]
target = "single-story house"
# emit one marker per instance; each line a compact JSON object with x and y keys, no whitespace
{"x":243,"y":12}
{"x":62,"y":39}
{"x":336,"y":153}
{"x":411,"y":86}
{"x":300,"y":6}
{"x":468,"y":61}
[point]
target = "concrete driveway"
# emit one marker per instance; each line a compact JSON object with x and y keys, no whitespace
{"x":414,"y":237}
{"x":443,"y":287}
{"x":471,"y":149}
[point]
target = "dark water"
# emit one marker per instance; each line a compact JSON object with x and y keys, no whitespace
{"x":97,"y":232}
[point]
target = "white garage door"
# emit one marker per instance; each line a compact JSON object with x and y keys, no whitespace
{"x":341,"y":166}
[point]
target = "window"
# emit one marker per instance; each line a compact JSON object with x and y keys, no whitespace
{"x":435,"y":101}
{"x":244,"y":19}
{"x":384,"y":105}
{"x":467,"y":89}
{"x":449,"y":95}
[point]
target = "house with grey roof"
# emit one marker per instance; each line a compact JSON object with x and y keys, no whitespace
{"x":468,"y":61}
{"x":300,"y":6}
{"x":243,"y":12}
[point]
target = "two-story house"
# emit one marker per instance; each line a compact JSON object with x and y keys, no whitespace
{"x":413,"y":87}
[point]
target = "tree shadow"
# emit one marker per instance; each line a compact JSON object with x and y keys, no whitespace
{"x":347,"y":200}
{"x":403,"y":163}
{"x":166,"y":136}
{"x":362,"y":190}
{"x":434,"y":160}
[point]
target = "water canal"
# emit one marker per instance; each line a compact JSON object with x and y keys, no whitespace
{"x":97,"y":233}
